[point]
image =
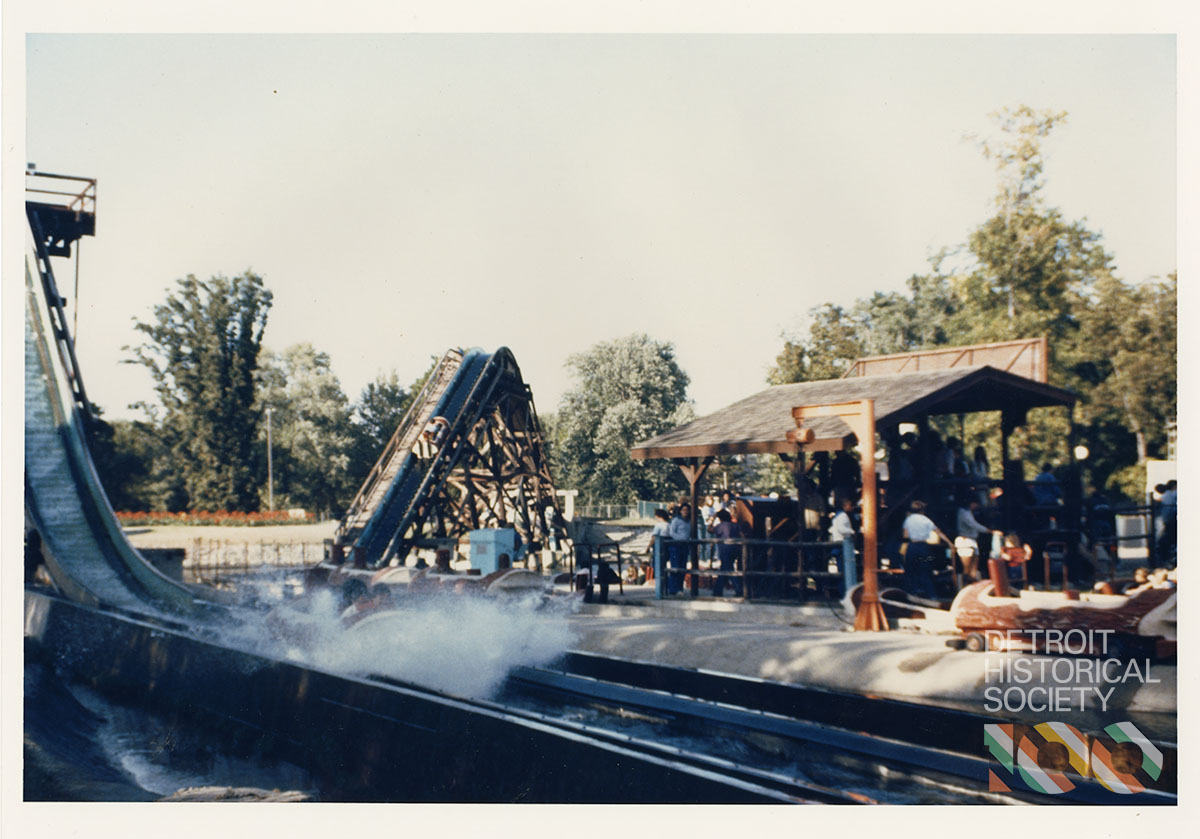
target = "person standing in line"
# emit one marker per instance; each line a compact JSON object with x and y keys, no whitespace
{"x":845,"y":477}
{"x":727,"y":554}
{"x":922,"y":535}
{"x":679,"y":531}
{"x":1169,"y":512}
{"x":707,"y":523}
{"x":1046,"y":491}
{"x":842,"y":530}
{"x":950,"y":452}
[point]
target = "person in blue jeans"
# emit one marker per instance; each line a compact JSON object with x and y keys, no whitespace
{"x":842,"y":530}
{"x":727,"y":554}
{"x":679,"y":531}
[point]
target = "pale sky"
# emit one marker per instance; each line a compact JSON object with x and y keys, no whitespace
{"x":402,"y":194}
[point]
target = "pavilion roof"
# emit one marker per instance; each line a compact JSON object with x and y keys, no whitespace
{"x":759,"y":423}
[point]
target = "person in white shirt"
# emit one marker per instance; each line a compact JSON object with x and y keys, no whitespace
{"x":707,"y":523}
{"x":841,"y":529}
{"x":919,"y":558}
{"x":842,"y":526}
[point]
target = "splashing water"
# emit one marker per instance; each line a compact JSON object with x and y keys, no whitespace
{"x":457,"y":644}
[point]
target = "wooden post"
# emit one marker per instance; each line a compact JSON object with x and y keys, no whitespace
{"x":1010,"y":489}
{"x":860,"y":416}
{"x":745,"y":573}
{"x":693,"y":469}
{"x":870,"y":616}
{"x":620,"y":576}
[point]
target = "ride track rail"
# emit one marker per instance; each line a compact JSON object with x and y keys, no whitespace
{"x":927,"y":741}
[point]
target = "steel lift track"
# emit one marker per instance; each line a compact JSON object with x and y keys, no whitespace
{"x":484,"y":464}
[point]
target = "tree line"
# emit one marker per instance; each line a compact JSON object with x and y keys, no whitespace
{"x":203,"y":445}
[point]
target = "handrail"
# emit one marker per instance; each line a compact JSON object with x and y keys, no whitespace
{"x":58,"y":317}
{"x":80,"y":200}
{"x":747,"y":573}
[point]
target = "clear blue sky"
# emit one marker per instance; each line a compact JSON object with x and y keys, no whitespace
{"x":403,"y":194}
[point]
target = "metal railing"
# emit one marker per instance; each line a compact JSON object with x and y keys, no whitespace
{"x":607,"y":511}
{"x":764,"y":569}
{"x":81,"y":199}
{"x":639,"y":510}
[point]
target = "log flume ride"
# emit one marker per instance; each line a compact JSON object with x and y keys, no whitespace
{"x":586,"y":729}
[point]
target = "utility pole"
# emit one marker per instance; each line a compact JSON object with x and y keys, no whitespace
{"x":270,"y":477}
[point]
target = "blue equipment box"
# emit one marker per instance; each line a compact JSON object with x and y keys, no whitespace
{"x":487,"y":546}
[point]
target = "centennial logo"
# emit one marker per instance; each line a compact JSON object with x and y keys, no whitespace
{"x":1122,"y":759}
{"x":1043,"y":757}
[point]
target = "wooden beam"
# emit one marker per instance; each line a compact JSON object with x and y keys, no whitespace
{"x":780,"y":446}
{"x":693,"y":469}
{"x":860,"y":416}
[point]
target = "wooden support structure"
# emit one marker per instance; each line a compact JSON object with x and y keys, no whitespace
{"x":693,"y":469}
{"x":860,"y":416}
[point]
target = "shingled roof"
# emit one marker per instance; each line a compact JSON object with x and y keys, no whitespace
{"x":759,"y":423}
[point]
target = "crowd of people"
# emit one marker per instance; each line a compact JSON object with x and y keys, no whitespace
{"x":935,"y":546}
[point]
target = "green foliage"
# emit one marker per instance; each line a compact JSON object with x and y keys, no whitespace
{"x":628,"y":390}
{"x":1026,"y":272}
{"x":311,"y":433}
{"x":202,"y":348}
{"x":135,"y":467}
{"x":833,"y":342}
{"x":377,"y":413}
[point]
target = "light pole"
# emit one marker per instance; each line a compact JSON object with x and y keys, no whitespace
{"x":270,"y":476}
{"x":1081,"y":455}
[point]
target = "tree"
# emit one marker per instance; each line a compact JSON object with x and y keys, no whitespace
{"x":135,"y":467}
{"x":1126,"y":360}
{"x":879,"y":325}
{"x":1025,"y":272}
{"x":312,"y":436}
{"x":377,"y":413}
{"x":833,"y":341}
{"x":202,"y":350}
{"x":628,"y":390}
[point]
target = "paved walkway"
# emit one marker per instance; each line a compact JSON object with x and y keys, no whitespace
{"x":812,"y":645}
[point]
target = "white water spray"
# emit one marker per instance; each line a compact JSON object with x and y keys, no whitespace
{"x":457,"y":644}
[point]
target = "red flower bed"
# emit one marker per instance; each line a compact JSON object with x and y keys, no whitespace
{"x":221,"y":517}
